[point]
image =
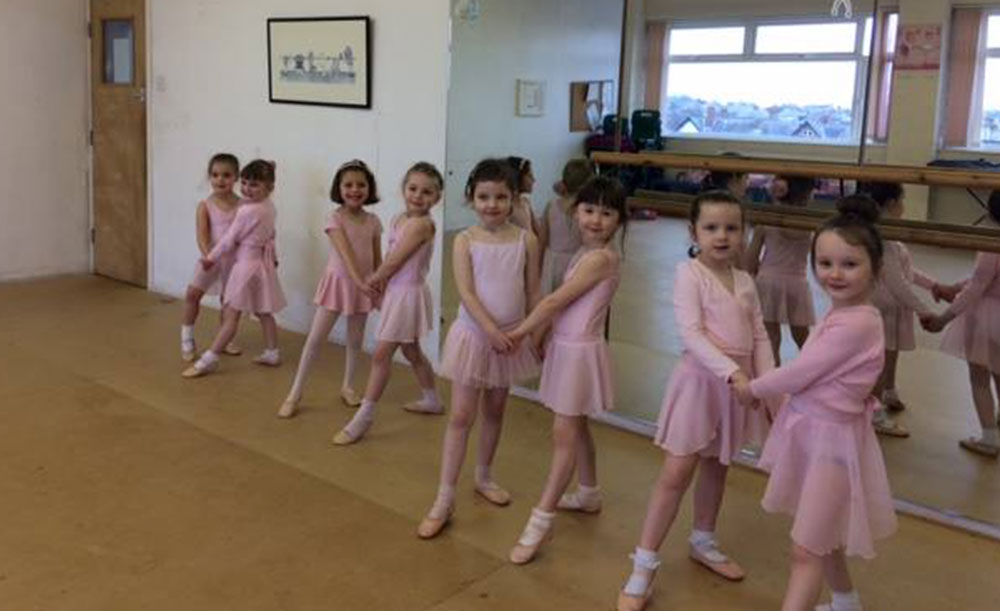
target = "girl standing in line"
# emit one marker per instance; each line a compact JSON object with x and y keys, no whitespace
{"x":355,"y":252}
{"x":407,"y":307}
{"x":495,"y":264}
{"x":702,"y":425}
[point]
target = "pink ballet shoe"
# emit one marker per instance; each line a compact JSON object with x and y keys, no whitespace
{"x":980,"y":447}
{"x":493,"y":493}
{"x":232,"y":349}
{"x":350,"y":398}
{"x":537,"y":532}
{"x":419,"y":407}
{"x":200,"y":368}
{"x":288,"y":409}
{"x":890,"y":428}
{"x":632,"y":602}
{"x":711,"y":558}
{"x":432,"y":527}
{"x":576,"y":501}
{"x":268,"y":359}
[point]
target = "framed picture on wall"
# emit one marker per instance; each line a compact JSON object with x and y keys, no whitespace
{"x":530,"y":98}
{"x":323,"y":61}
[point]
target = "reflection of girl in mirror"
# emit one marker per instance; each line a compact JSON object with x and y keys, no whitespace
{"x":826,"y":467}
{"x":523,"y":214}
{"x":407,"y":307}
{"x":702,"y":425}
{"x":785,"y":296}
{"x":576,"y":378}
{"x":496,"y":274}
{"x":897,"y":301}
{"x":355,"y":237}
{"x":974,"y":335}
{"x":558,"y":235}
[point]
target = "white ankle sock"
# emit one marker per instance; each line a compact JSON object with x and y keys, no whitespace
{"x":206,"y":360}
{"x":700,"y":538}
{"x":644,"y":562}
{"x":890,"y":394}
{"x":430,"y":396}
{"x":845,"y":601}
{"x":704,"y":542}
{"x":991,"y":436}
{"x":538,"y":525}
{"x":881,"y":417}
{"x":362,"y":419}
{"x":187,"y":333}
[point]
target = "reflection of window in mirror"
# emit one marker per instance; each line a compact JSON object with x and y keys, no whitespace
{"x":744,"y":80}
{"x":972,"y":111}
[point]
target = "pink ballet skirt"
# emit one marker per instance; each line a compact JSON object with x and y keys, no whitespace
{"x":700,"y":415}
{"x":827,"y":471}
{"x":253,"y":285}
{"x":782,"y":286}
{"x":577,"y":371}
{"x":974,"y":335}
{"x":407,"y":307}
{"x":468,"y":358}
{"x":336,"y":291}
{"x":564,"y":242}
{"x":786,"y":299}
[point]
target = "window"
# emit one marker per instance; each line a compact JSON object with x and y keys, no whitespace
{"x":768,"y":79}
{"x":990,"y":128}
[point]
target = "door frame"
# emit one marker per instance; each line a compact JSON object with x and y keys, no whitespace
{"x":148,"y":135}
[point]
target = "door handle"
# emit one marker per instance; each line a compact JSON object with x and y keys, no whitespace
{"x":140,"y":94}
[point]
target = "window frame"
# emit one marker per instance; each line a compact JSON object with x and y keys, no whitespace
{"x":750,"y":24}
{"x":980,"y":111}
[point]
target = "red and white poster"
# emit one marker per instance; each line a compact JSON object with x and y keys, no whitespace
{"x":919,"y":47}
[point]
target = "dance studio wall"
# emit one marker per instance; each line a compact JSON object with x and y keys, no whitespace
{"x":44,"y":216}
{"x":554,"y":41}
{"x":208,"y":87}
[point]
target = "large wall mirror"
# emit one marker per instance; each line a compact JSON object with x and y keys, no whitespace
{"x":899,"y":84}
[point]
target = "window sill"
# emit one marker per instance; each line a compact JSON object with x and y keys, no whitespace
{"x":765,"y":141}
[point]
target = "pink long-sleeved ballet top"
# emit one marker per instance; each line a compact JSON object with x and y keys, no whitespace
{"x":825,"y":463}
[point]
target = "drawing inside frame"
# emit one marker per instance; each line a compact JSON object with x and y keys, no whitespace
{"x":320,"y":60}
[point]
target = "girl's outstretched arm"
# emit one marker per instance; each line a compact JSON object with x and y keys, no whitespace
{"x":415,"y":233}
{"x":592,"y":269}
{"x":203,"y":225}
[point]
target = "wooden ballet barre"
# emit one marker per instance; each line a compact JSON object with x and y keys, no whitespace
{"x":943,"y":177}
{"x":912,"y":232}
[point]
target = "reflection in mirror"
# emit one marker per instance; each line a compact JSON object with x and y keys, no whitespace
{"x":534,"y":82}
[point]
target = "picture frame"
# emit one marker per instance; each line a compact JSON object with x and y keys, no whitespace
{"x":320,"y":61}
{"x":530,"y":98}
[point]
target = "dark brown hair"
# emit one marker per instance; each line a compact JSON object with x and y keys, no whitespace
{"x":576,"y":173}
{"x":259,"y":169}
{"x":607,"y":193}
{"x":800,"y":188}
{"x":717,"y":196}
{"x":354,"y":165}
{"x":522,"y":166}
{"x":881,"y":192}
{"x":491,"y":170}
{"x":226,"y":158}
{"x":855,"y":223}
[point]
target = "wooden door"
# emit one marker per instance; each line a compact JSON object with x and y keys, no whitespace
{"x":118,"y":85}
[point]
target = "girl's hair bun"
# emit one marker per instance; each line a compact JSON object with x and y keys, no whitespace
{"x":858,"y":207}
{"x":993,"y":205}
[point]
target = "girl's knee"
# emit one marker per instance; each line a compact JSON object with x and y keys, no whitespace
{"x":383,"y":353}
{"x":193,"y":295}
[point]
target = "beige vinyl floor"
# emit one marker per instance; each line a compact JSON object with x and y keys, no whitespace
{"x":929,"y":468}
{"x":124,"y":486}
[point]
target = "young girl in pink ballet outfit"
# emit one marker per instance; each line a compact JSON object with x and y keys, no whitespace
{"x":523,"y":213}
{"x":785,"y":296}
{"x":558,"y":235}
{"x":407,"y":308}
{"x":897,"y":301}
{"x":576,"y":377}
{"x":826,"y":467}
{"x":973,"y":334}
{"x":213,"y":217}
{"x":253,"y":286}
{"x":355,"y":252}
{"x":496,"y":272}
{"x":702,"y":425}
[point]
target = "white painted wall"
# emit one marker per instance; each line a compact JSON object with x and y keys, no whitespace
{"x":556,"y":41}
{"x":44,"y":211}
{"x":208,"y":88}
